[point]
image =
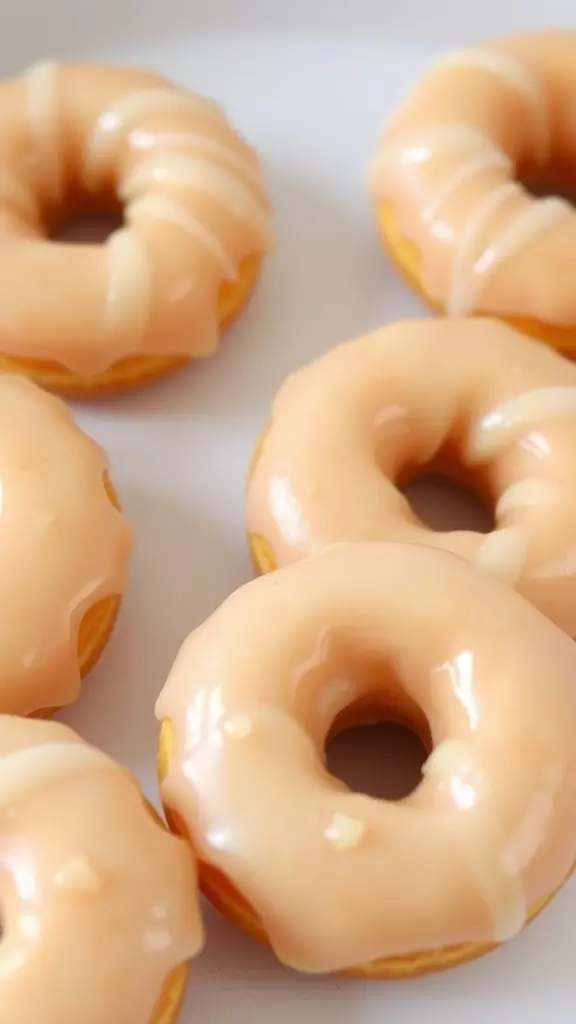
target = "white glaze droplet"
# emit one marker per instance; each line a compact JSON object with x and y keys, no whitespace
{"x":77,"y":875}
{"x":239,"y":727}
{"x":345,"y":833}
{"x":503,"y":554}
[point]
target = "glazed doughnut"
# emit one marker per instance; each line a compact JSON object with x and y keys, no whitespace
{"x":447,"y":183}
{"x":473,"y":399}
{"x":334,"y":879}
{"x":98,"y":901}
{"x":64,"y":549}
{"x":86,"y":318}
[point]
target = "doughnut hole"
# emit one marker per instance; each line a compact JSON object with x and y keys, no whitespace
{"x":382,"y":760}
{"x":97,"y":624}
{"x":379,"y":743}
{"x":443,"y":493}
{"x":542,"y":188}
{"x":445,"y":500}
{"x":88,"y":227}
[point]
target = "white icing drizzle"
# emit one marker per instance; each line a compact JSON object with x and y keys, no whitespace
{"x":474,"y":261}
{"x":129,"y":288}
{"x":493,"y":158}
{"x":195,"y":172}
{"x":516,"y":74}
{"x":463,"y":286}
{"x":204,"y":144}
{"x":531,"y":492}
{"x":471,"y":269}
{"x":424,"y":144}
{"x":503,"y":554}
{"x":164,"y":208}
{"x":126,"y":113}
{"x":42,"y":104}
{"x":24,"y":770}
{"x":191,"y":160}
{"x":499,"y":427}
{"x":532,"y":221}
{"x":455,"y":767}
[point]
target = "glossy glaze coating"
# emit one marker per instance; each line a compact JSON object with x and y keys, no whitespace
{"x":356,"y":633}
{"x":63,"y":545}
{"x":194,"y":209}
{"x":448,"y":165}
{"x":473,"y":396}
{"x":98,"y":900}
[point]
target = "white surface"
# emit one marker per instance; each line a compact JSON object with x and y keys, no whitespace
{"x":309,"y":83}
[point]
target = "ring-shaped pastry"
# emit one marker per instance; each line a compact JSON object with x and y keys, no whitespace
{"x":449,"y":177}
{"x":335,"y":880}
{"x":95,"y":317}
{"x":473,"y":399}
{"x":98,"y":902}
{"x":64,"y":550}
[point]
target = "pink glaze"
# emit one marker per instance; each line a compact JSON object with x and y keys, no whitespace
{"x":63,"y":545}
{"x":448,"y":165}
{"x":357,"y":633}
{"x":98,"y":900}
{"x":195,"y":208}
{"x":495,"y":407}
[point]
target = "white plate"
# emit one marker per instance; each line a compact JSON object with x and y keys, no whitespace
{"x":309,"y":83}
